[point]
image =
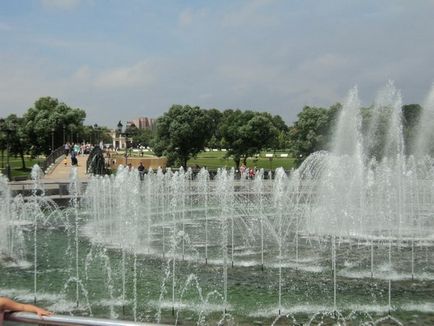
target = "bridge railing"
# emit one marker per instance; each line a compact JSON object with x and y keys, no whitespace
{"x":52,"y":158}
{"x":30,"y":318}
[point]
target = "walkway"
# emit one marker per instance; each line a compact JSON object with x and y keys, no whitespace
{"x":62,"y":171}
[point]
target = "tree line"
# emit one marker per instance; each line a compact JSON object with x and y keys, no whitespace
{"x":184,"y":131}
{"x":47,"y":125}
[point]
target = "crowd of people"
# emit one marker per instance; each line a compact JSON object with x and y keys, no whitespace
{"x":247,"y":173}
{"x":75,"y":149}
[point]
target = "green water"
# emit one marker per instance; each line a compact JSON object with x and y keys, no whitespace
{"x":307,"y":285}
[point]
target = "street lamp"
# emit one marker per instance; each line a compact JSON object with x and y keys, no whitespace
{"x":52,"y":140}
{"x":64,"y":140}
{"x":119,"y":128}
{"x":95,"y":128}
{"x":2,"y":125}
{"x":9,"y":130}
{"x":126,"y":147}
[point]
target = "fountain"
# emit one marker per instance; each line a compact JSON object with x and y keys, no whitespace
{"x":346,"y":238}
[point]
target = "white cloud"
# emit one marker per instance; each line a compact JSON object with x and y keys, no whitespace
{"x":5,"y":27}
{"x":188,"y":16}
{"x":250,"y":13}
{"x":60,"y":4}
{"x":139,"y":74}
{"x":185,"y":18}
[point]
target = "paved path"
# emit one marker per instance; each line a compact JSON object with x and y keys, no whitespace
{"x":62,"y":171}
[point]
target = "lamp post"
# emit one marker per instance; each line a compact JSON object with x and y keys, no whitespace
{"x":64,"y":140}
{"x":126,"y":147}
{"x":71,"y":129}
{"x":52,"y":140}
{"x":119,"y":139}
{"x":9,"y":130}
{"x":95,"y":128}
{"x":2,"y":125}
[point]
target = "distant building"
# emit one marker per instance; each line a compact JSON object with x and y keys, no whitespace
{"x":120,"y":139}
{"x":142,"y":123}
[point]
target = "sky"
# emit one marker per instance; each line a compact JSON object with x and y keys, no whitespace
{"x":121,"y":59}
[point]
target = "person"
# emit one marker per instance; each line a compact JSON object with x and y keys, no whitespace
{"x":243,"y":170}
{"x":251,"y":173}
{"x":66,"y":147}
{"x":74,"y":160}
{"x":141,"y":169}
{"x":7,"y":304}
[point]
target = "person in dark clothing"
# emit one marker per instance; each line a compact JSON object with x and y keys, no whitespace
{"x":141,"y":169}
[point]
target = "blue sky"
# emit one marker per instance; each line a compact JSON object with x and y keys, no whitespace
{"x":122,"y":59}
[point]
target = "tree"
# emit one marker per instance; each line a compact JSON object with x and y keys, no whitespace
{"x":141,"y":137}
{"x":16,"y":141}
{"x":182,"y":133}
{"x":247,"y":133}
{"x":215,"y":141}
{"x":49,"y":117}
{"x":282,"y":140}
{"x":313,"y":130}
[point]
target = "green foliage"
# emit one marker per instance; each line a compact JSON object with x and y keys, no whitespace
{"x":49,"y":117}
{"x":141,"y":137}
{"x":182,"y":133}
{"x":315,"y":126}
{"x":13,"y":137}
{"x":215,"y":117}
{"x":375,"y":125}
{"x":312,"y":131}
{"x":215,"y":160}
{"x":246,"y":133}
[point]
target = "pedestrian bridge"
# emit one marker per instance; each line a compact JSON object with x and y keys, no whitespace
{"x":61,"y":171}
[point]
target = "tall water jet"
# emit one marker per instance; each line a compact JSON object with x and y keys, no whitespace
{"x":37,"y":186}
{"x":75,"y":190}
{"x":278,"y":200}
{"x":203,"y":188}
{"x":6,"y":246}
{"x":225,"y":191}
{"x":425,"y":136}
{"x":259,"y":191}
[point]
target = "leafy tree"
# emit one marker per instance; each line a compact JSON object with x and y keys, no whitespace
{"x":141,"y":137}
{"x":13,"y":138}
{"x":18,"y":143}
{"x":49,"y":117}
{"x":215,"y":116}
{"x":282,"y":140}
{"x":3,"y":140}
{"x":247,"y":133}
{"x":182,"y":133}
{"x":310,"y":132}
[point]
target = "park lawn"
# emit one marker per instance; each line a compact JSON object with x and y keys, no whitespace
{"x":214,"y":160}
{"x":16,"y":166}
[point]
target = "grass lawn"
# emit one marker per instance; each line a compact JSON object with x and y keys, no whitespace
{"x":16,"y":168}
{"x":214,"y":160}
